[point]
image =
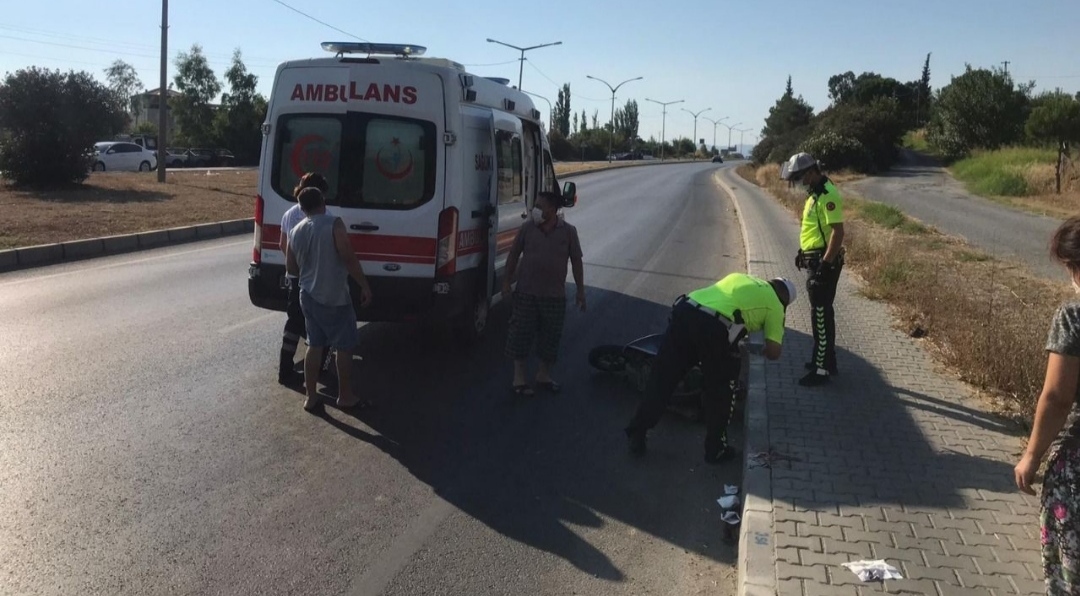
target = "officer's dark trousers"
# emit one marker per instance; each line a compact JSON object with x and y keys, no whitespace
{"x":294,"y":328}
{"x":822,"y":292}
{"x":692,"y":337}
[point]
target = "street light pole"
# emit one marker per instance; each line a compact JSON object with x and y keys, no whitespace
{"x":663,"y":128}
{"x":729,"y":132}
{"x":714,"y":123}
{"x":521,"y":67}
{"x":695,"y":126}
{"x":611,"y":135}
{"x":163,"y":94}
{"x":742,"y":131}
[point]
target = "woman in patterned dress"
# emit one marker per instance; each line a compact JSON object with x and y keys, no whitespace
{"x":1056,"y":432}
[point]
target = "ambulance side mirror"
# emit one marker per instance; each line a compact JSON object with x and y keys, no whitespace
{"x":569,"y":194}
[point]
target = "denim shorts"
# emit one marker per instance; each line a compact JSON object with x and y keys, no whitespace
{"x":329,"y":326}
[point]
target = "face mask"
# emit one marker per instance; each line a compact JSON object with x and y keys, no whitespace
{"x":537,"y":215}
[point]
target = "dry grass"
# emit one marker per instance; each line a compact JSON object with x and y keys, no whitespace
{"x":112,"y":203}
{"x":984,"y":319}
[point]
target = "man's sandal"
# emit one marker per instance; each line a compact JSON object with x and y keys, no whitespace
{"x":549,"y":386}
{"x":522,"y":390}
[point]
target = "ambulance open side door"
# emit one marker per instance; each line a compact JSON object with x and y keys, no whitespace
{"x":481,"y":189}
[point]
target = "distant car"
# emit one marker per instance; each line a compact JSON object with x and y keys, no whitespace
{"x":175,"y":157}
{"x":717,"y":159}
{"x":122,"y":157}
{"x":200,"y":158}
{"x":224,"y":158}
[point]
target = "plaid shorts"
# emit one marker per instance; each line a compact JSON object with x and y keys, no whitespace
{"x":539,"y":320}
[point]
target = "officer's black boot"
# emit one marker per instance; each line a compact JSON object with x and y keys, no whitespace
{"x":287,"y":374}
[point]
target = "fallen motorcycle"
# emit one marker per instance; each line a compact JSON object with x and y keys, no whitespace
{"x":634,"y":361}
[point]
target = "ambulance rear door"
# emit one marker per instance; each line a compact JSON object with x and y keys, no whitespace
{"x":374,"y":128}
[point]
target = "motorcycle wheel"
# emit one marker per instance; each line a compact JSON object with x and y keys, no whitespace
{"x":608,"y":358}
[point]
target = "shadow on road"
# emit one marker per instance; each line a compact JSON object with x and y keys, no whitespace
{"x":541,"y":470}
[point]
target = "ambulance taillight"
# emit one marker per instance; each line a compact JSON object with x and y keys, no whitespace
{"x":446,"y":255}
{"x":256,"y":251}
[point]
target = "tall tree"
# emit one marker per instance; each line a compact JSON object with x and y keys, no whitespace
{"x":978,"y":109}
{"x":125,"y":84}
{"x":841,"y":87}
{"x":596,"y":119}
{"x":561,"y":117}
{"x":574,"y":126}
{"x":788,"y":114}
{"x":923,"y":96}
{"x":626,"y":120}
{"x":1056,"y":120}
{"x":198,"y":86}
{"x":238,"y":122}
{"x":584,"y":121}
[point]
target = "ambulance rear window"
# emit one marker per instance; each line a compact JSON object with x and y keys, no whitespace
{"x":370,"y":161}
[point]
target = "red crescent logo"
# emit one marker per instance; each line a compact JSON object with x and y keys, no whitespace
{"x":308,"y":156}
{"x":391,"y":174}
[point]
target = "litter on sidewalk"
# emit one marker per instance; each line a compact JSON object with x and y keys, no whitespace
{"x":731,"y":517}
{"x":728,"y":501}
{"x":873,"y":571}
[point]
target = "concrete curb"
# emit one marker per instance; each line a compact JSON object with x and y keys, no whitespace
{"x":51,"y":254}
{"x":756,"y":554}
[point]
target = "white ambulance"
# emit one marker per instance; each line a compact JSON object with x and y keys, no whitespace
{"x":432,"y":169}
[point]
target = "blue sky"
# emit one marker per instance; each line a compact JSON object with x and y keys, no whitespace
{"x":732,"y":57}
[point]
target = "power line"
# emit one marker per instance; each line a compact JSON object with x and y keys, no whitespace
{"x":117,"y":43}
{"x":534,"y":67}
{"x":493,"y":63}
{"x":298,"y":11}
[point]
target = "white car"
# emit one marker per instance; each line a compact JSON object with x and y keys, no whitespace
{"x":118,"y":156}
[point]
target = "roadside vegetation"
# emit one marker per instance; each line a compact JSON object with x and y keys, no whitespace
{"x":984,"y":319}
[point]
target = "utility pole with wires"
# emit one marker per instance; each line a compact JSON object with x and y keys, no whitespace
{"x":163,"y":98}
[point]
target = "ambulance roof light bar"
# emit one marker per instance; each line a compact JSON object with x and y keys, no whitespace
{"x":393,"y":49}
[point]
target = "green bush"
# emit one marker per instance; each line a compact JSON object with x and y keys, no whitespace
{"x":837,"y":152}
{"x":52,"y":121}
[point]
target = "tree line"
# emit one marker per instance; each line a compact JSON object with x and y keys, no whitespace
{"x":868,"y":116}
{"x":580,"y":136}
{"x":50,"y":120}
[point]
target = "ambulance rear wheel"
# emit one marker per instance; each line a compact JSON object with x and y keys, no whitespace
{"x":473,"y":320}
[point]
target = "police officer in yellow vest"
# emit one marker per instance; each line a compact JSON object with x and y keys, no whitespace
{"x":821,"y":253}
{"x":706,"y":327}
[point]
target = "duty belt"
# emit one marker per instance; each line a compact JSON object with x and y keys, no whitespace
{"x":736,"y":330}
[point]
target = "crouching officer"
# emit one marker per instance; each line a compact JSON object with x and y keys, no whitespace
{"x":706,"y":327}
{"x":821,"y":254}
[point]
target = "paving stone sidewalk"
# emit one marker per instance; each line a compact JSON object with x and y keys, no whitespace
{"x":893,"y":460}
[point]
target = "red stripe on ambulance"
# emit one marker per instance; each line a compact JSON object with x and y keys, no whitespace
{"x":373,"y":247}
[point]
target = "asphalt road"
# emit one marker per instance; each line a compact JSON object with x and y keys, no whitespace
{"x":145,"y":447}
{"x":930,"y":195}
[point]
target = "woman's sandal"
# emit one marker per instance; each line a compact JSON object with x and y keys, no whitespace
{"x":359,"y":404}
{"x":522,"y":390}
